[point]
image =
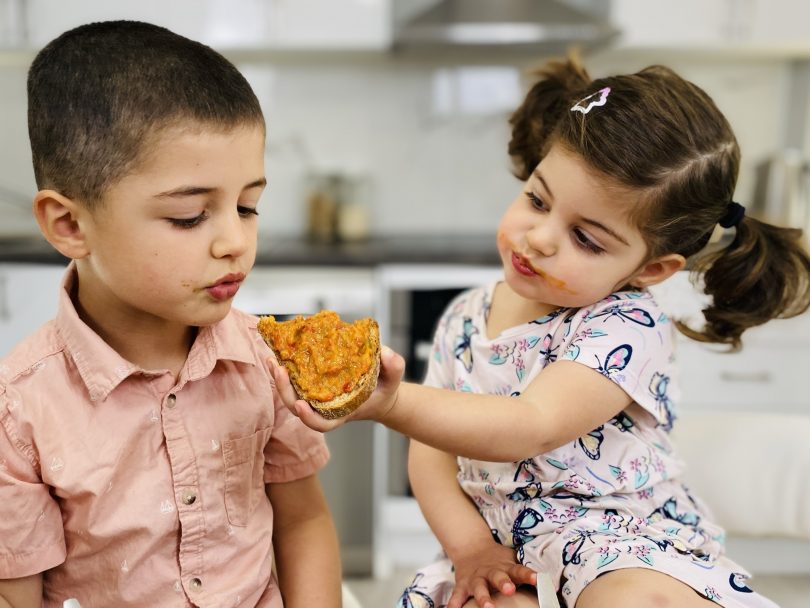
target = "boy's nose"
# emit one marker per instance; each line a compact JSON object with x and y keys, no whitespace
{"x":233,"y":237}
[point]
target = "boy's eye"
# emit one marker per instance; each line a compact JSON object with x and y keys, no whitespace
{"x":188,"y":222}
{"x":536,"y":201}
{"x":585,"y":243}
{"x":247,"y":211}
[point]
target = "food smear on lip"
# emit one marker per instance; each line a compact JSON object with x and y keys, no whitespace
{"x":526,"y":263}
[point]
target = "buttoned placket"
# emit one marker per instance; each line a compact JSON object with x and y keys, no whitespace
{"x":185,"y":480}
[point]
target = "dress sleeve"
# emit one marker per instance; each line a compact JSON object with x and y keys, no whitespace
{"x":32,"y":538}
{"x":630,"y":341}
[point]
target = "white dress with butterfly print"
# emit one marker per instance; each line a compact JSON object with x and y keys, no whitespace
{"x":612,"y":498}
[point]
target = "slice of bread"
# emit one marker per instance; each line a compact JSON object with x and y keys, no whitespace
{"x":333,"y":365}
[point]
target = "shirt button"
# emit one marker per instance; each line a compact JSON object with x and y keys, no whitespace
{"x":189,"y":497}
{"x":170,"y":401}
{"x":196,"y":584}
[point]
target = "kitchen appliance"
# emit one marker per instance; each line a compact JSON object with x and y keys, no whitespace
{"x":782,"y":190}
{"x":537,"y":26}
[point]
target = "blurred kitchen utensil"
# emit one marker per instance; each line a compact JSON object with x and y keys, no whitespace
{"x":337,"y":207}
{"x":782,"y":190}
{"x":322,"y":193}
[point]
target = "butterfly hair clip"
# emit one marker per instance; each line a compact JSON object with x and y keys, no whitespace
{"x":603,"y":95}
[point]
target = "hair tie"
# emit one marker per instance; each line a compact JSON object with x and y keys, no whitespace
{"x":734,"y":215}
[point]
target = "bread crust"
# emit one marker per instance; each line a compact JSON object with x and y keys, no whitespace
{"x":345,"y":403}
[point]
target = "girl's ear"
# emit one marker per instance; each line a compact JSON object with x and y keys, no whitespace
{"x":657,"y":270}
{"x":59,"y":221}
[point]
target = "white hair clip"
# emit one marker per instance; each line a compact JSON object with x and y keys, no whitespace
{"x":603,"y":95}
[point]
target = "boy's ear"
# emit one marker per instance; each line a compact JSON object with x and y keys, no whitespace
{"x":657,"y":270}
{"x":59,"y":220}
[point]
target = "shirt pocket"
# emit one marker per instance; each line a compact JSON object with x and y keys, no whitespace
{"x":244,"y":475}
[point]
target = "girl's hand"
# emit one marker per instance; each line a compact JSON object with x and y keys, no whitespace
{"x":378,"y":405}
{"x":488,"y":569}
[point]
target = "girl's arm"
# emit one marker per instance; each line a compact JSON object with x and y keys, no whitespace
{"x":565,"y":401}
{"x":23,"y":592}
{"x":481,"y":564}
{"x":305,"y":545}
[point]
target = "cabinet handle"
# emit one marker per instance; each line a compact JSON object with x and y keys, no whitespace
{"x":758,"y":377}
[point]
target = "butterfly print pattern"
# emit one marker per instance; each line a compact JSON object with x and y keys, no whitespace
{"x":609,"y":499}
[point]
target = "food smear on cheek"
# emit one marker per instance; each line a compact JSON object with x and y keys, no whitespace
{"x":553,"y":281}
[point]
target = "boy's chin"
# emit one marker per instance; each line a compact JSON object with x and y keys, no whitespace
{"x":212,"y":316}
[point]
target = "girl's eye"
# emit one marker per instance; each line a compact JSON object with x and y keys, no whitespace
{"x":536,"y":201}
{"x":189,"y":222}
{"x":247,"y":211}
{"x":585,"y":243}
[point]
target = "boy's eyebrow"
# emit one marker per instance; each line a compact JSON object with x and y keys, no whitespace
{"x":590,"y":222}
{"x":182,"y":191}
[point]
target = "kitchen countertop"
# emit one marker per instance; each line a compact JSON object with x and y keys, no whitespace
{"x":290,"y":251}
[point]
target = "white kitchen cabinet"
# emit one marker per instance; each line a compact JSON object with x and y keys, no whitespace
{"x":761,"y":26}
{"x":227,"y":25}
{"x":28,"y":298}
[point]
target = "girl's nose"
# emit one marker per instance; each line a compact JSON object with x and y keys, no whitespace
{"x":233,"y":236}
{"x":542,"y":238}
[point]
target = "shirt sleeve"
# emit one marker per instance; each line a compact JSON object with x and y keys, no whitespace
{"x":294,"y":451}
{"x":629,"y":341}
{"x":32,"y":538}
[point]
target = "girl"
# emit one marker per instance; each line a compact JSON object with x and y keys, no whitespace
{"x":550,"y":453}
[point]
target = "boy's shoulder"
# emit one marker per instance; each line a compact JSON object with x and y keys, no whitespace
{"x":30,"y":353}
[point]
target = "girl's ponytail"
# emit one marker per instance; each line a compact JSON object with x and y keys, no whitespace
{"x":560,"y":83}
{"x":763,"y":274}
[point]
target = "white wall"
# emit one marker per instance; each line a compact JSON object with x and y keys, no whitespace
{"x":432,"y":170}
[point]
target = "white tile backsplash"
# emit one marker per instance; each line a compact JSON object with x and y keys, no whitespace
{"x":431,"y":171}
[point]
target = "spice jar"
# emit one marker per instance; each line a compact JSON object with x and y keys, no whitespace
{"x":322,"y":207}
{"x":353,"y":222}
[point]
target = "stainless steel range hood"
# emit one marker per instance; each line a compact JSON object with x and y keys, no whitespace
{"x":541,"y":26}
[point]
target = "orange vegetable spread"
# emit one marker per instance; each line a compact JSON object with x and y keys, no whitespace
{"x":328,"y":354}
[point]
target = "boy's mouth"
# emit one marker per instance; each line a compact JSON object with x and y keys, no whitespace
{"x":226,"y":287}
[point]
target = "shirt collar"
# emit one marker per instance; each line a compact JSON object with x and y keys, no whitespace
{"x":102,"y":369}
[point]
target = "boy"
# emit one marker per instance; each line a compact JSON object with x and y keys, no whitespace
{"x":143,"y":458}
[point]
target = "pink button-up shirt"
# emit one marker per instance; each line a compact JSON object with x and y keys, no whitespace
{"x":128,"y":488}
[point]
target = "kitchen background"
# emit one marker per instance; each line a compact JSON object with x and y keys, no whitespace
{"x":393,"y":122}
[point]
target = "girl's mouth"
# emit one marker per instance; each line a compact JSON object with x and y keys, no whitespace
{"x":522,"y":265}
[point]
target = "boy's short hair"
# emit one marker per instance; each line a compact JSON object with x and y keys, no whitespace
{"x":99,"y":93}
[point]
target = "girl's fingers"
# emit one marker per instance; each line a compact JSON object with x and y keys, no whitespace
{"x":481,"y":594}
{"x":458,"y":597}
{"x":522,"y":575}
{"x":393,"y":366}
{"x":501,"y":581}
{"x":313,"y":419}
{"x":283,"y":385}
